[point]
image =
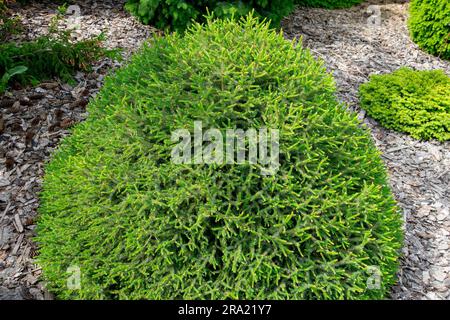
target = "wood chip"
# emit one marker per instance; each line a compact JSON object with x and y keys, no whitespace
{"x":5,"y":211}
{"x":18,"y":223}
{"x":17,"y":246}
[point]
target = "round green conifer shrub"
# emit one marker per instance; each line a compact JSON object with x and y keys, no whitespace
{"x":429,"y":25}
{"x":410,"y":101}
{"x":329,"y":4}
{"x":119,"y":215}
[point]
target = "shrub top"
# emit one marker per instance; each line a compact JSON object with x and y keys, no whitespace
{"x":178,"y":15}
{"x":429,"y":25}
{"x":139,"y":226}
{"x":415,"y":102}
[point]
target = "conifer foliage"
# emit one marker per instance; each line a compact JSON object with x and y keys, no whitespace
{"x":429,"y":24}
{"x":138,"y":226}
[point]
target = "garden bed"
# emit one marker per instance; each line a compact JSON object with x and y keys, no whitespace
{"x":34,"y":120}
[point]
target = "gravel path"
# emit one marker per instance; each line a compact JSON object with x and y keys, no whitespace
{"x":33,"y":120}
{"x":373,"y":38}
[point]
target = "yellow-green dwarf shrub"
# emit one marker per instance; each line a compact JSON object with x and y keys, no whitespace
{"x":137,"y":226}
{"x":429,"y":25}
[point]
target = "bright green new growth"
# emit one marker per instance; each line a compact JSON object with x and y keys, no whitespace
{"x":429,"y":25}
{"x":325,"y":226}
{"x":329,"y":4}
{"x":415,"y":102}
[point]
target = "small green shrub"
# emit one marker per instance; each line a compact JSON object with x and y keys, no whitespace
{"x":9,"y":25}
{"x":415,"y":102}
{"x":329,"y":4}
{"x":139,"y":226}
{"x":429,"y":25}
{"x":178,"y":15}
{"x":48,"y":56}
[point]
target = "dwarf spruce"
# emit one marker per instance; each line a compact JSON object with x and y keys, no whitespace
{"x":139,"y":226}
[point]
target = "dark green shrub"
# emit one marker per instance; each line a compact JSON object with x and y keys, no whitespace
{"x":178,"y":15}
{"x":330,"y":4}
{"x":139,"y":226}
{"x":429,"y":25}
{"x":415,"y":102}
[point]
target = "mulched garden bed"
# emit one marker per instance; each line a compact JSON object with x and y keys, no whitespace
{"x":33,"y":120}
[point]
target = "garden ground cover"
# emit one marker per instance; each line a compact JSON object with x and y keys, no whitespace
{"x":419,"y":170}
